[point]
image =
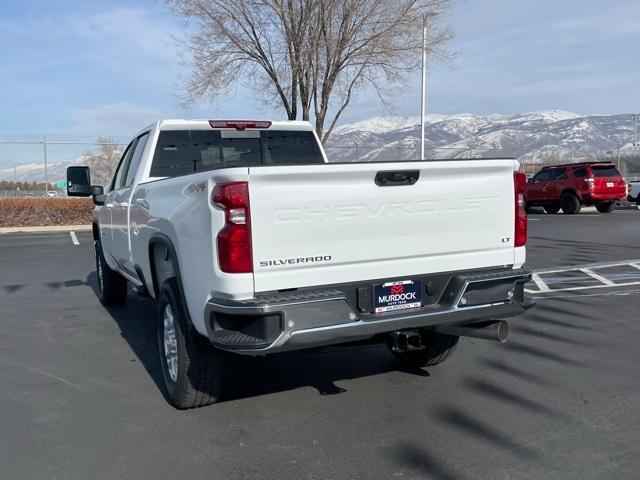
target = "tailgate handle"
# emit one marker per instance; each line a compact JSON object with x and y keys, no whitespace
{"x":397,"y":178}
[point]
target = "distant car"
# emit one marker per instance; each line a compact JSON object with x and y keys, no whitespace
{"x":634,"y":192}
{"x":52,"y":194}
{"x":569,"y":187}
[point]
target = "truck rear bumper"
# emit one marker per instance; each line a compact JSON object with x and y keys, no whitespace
{"x":314,"y":317}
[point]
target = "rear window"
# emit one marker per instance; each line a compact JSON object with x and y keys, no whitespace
{"x":181,"y":152}
{"x":605,"y":171}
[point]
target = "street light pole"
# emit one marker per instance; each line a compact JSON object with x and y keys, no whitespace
{"x":618,"y":166}
{"x":46,"y":173}
{"x":423,"y":106}
{"x":15,"y":176}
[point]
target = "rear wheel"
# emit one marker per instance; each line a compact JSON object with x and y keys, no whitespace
{"x":192,"y":369}
{"x":552,"y":209}
{"x":112,"y":287}
{"x":606,"y":207}
{"x":570,"y":204}
{"x":438,"y":347}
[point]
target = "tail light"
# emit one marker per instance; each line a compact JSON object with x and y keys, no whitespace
{"x":234,"y":240}
{"x":519,"y":184}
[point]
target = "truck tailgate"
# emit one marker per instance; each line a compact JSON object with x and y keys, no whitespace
{"x":332,"y":223}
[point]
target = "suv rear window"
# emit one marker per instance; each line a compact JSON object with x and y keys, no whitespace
{"x":605,"y":171}
{"x":181,"y":152}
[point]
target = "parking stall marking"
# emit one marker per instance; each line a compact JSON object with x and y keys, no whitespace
{"x":74,"y":239}
{"x":542,"y":287}
{"x":593,"y":274}
{"x":584,"y":277}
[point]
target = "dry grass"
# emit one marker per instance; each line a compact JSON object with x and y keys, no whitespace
{"x":26,"y":212}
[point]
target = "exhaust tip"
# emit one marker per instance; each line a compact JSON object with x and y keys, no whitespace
{"x":503,"y":331}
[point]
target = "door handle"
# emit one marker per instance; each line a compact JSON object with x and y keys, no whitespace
{"x":397,"y":178}
{"x":142,"y":202}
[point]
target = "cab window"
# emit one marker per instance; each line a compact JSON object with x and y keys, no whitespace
{"x":135,"y":159}
{"x":119,"y":176}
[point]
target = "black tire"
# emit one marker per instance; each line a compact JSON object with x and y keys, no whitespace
{"x":605,"y":207}
{"x":197,"y":378}
{"x":552,"y":209}
{"x":570,"y":204}
{"x":638,"y":201}
{"x":438,"y":347}
{"x":112,"y":287}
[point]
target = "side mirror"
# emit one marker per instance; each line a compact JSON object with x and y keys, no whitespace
{"x":78,"y":182}
{"x":98,"y":194}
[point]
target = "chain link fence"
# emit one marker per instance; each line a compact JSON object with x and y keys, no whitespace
{"x":36,"y":165}
{"x":627,"y":159}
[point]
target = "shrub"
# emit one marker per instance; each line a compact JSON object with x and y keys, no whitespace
{"x":26,"y":212}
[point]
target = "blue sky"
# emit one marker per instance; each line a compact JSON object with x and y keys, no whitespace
{"x":110,"y":67}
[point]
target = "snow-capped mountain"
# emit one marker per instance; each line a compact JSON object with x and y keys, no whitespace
{"x":34,"y":172}
{"x":553,"y":135}
{"x":537,"y":136}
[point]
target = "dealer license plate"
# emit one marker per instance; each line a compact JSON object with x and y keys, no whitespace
{"x":394,"y":296}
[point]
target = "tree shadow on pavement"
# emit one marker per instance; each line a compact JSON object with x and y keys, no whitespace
{"x":411,"y":455}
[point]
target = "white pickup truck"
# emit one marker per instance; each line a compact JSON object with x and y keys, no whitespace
{"x":253,"y":243}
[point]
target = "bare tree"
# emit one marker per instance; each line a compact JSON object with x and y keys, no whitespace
{"x":104,"y":161}
{"x":308,"y":55}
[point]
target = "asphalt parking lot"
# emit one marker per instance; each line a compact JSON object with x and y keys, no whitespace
{"x":80,"y":395}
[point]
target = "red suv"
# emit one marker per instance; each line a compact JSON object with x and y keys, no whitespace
{"x":571,"y":186}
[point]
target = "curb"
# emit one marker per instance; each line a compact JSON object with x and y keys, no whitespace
{"x":43,"y":228}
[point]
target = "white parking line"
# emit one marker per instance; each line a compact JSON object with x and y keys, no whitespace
{"x":587,"y":270}
{"x":74,"y":239}
{"x":597,"y":277}
{"x":539,"y":283}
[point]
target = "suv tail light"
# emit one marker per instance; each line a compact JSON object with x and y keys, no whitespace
{"x":519,"y":184}
{"x":234,"y":240}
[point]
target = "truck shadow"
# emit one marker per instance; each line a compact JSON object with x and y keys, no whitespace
{"x":466,"y":417}
{"x":319,"y":368}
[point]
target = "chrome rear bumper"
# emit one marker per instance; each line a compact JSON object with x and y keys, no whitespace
{"x":315,"y":317}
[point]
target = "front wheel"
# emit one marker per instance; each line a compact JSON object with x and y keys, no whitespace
{"x":570,"y":204}
{"x":192,"y":369}
{"x":112,"y":287}
{"x":438,"y":347}
{"x":605,"y":207}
